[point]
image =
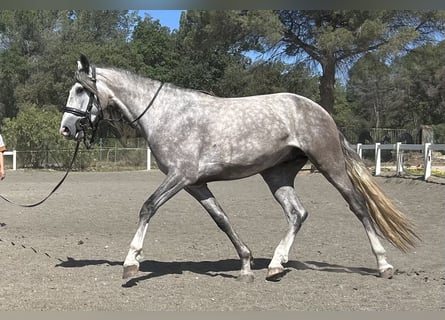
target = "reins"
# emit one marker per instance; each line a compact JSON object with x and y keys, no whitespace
{"x":148,"y":106}
{"x":52,"y":191}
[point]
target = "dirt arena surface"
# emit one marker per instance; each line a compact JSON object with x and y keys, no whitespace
{"x":67,"y":254}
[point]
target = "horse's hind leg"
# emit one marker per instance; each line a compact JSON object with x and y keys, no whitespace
{"x":280,"y":180}
{"x":358,"y":206}
{"x":208,"y":201}
{"x":335,"y":172}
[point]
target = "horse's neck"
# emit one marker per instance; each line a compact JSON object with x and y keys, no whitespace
{"x":131,"y":94}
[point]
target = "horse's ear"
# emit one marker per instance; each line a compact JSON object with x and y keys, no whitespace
{"x":83,"y":64}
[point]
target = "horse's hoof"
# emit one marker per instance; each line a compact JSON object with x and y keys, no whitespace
{"x":387,"y":273}
{"x":275,"y":274}
{"x":246,"y":277}
{"x":130,"y":271}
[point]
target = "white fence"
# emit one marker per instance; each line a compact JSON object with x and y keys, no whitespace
{"x":398,"y":148}
{"x":426,"y":149}
{"x":108,"y":155}
{"x":14,"y":158}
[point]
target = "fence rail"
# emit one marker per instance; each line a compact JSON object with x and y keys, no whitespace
{"x":106,"y":155}
{"x":426,"y":149}
{"x":110,"y":155}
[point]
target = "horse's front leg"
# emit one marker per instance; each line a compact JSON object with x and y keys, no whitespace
{"x":168,"y":188}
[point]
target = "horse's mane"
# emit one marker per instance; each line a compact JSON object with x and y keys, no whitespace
{"x":140,"y":79}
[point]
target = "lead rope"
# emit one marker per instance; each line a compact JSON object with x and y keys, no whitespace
{"x":55,"y":188}
{"x":15,"y":243}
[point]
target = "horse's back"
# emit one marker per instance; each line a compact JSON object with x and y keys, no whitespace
{"x":261,"y":119}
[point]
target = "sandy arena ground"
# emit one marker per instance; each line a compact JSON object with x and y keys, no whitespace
{"x":67,"y":254}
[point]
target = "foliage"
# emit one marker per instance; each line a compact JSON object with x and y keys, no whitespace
{"x":396,"y":65}
{"x":422,"y":73}
{"x":37,"y":129}
{"x":32,"y":128}
{"x":268,"y":77}
{"x":331,"y":38}
{"x":343,"y":113}
{"x":153,"y":50}
{"x":212,"y":43}
{"x":405,"y":93}
{"x":369,"y":89}
{"x":439,"y":133}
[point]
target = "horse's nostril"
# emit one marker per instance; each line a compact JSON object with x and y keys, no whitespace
{"x":65,"y":131}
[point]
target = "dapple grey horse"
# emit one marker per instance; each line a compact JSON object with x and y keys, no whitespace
{"x":197,"y":138}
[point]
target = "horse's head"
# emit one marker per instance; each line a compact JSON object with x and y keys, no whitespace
{"x":83,"y":110}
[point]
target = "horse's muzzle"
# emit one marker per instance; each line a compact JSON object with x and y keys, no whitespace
{"x":67,"y":133}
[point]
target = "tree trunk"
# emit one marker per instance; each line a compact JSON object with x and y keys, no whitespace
{"x":327,"y":85}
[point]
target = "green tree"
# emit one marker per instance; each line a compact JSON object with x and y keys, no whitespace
{"x":26,"y":31}
{"x":38,"y":53}
{"x":264,"y":77}
{"x":211,"y":42}
{"x":24,"y":36}
{"x":331,"y":38}
{"x":154,"y":50}
{"x":404,"y":93}
{"x":419,"y":78}
{"x":13,"y":70}
{"x":40,"y":47}
{"x":344,"y":114}
{"x":369,"y":90}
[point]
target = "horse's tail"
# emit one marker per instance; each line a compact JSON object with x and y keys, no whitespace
{"x":392,"y":223}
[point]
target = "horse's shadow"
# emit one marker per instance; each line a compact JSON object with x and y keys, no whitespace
{"x":218,"y":268}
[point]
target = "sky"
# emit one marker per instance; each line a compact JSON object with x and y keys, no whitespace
{"x":167,"y":18}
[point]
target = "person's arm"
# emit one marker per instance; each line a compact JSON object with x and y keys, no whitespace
{"x":2,"y":167}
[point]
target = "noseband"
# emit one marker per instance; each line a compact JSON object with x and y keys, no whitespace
{"x":85,"y":122}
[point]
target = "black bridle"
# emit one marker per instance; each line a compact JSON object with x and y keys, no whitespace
{"x":85,"y":123}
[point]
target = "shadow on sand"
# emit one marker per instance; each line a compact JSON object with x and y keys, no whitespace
{"x":218,"y":268}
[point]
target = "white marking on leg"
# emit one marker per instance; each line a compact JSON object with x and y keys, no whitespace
{"x":294,"y":212}
{"x":281,"y":254}
{"x":134,"y":253}
{"x":378,"y":250}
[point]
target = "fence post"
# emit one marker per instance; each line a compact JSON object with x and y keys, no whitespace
{"x":377,"y":158}
{"x":359,"y":150}
{"x":148,"y":159}
{"x":427,"y":164}
{"x":399,"y":157}
{"x":14,"y":160}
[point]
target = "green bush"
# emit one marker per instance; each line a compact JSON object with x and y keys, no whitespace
{"x":34,"y":133}
{"x":439,"y":133}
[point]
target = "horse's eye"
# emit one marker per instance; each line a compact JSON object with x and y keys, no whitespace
{"x":79,"y":90}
